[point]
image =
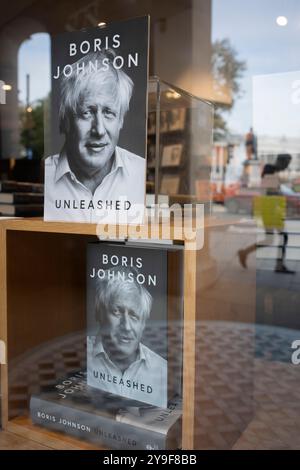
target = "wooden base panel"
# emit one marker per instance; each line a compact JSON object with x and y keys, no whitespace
{"x":22,"y":426}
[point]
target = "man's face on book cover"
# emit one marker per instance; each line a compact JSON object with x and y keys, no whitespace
{"x":122,"y":326}
{"x":95,"y":128}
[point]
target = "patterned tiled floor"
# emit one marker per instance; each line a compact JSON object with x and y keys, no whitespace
{"x":247,"y":389}
{"x":276,"y":421}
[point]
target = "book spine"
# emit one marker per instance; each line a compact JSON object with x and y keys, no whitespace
{"x":21,"y":211}
{"x":28,"y":198}
{"x":99,"y":430}
{"x":15,"y":186}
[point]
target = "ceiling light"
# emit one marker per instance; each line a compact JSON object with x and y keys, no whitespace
{"x":173,"y":95}
{"x":6,"y":87}
{"x":102,"y":24}
{"x":282,"y":20}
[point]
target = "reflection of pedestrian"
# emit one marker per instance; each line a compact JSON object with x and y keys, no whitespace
{"x":250,"y":142}
{"x":270,"y":181}
{"x":245,"y":174}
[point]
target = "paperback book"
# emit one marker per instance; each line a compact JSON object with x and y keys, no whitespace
{"x":10,"y":186}
{"x":74,"y":408}
{"x":134,"y":318}
{"x":20,"y":210}
{"x":96,"y":168}
{"x":21,"y":198}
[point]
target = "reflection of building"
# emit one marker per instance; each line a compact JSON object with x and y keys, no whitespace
{"x":227,"y":159}
{"x":191,"y":70}
{"x":218,"y":169}
{"x":11,"y":38}
{"x":252,"y":174}
{"x":268,"y":148}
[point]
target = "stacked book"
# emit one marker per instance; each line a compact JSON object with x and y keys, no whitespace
{"x":20,"y":199}
{"x":72,"y":407}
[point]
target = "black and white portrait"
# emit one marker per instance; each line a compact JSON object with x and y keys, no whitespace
{"x":99,"y":84}
{"x":117,"y":359}
{"x":127,"y":321}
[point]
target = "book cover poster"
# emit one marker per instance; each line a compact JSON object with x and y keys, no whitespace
{"x":172,"y":155}
{"x":95,"y":168}
{"x":127,"y":347}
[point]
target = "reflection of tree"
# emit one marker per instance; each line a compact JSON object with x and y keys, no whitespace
{"x":32,"y":128}
{"x":227,"y":73}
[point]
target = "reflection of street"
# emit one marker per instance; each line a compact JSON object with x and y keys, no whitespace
{"x":276,"y":423}
{"x":292,"y":227}
{"x":232,"y":371}
{"x":277,"y":294}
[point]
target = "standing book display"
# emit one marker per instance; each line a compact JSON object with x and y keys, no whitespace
{"x":97,"y":166}
{"x":132,"y":290}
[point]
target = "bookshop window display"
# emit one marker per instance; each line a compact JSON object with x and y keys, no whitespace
{"x":122,"y":385}
{"x":117,"y":343}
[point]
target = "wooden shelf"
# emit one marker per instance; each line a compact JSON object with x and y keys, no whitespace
{"x":22,"y":426}
{"x":38,"y":225}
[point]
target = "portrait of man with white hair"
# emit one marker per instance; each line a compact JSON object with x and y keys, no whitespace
{"x":117,"y":359}
{"x":92,"y":176}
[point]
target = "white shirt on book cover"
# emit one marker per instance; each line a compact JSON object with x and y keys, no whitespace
{"x":148,"y":372}
{"x":67,"y":199}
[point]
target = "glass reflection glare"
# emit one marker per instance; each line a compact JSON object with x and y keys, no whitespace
{"x":282,"y":20}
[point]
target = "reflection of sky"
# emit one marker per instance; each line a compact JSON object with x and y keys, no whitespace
{"x":266,"y":47}
{"x":276,"y":104}
{"x":34,"y":58}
